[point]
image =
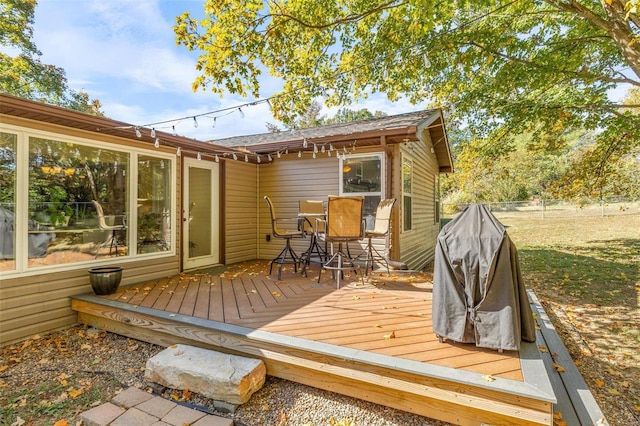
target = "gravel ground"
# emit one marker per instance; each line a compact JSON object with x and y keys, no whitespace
{"x":55,"y":377}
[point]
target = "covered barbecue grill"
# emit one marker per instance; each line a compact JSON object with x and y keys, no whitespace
{"x":478,"y":292}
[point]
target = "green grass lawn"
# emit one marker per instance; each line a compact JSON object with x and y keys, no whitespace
{"x":586,"y":270}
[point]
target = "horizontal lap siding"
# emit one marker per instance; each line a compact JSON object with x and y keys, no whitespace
{"x":240,"y":212}
{"x":417,"y":247}
{"x":286,"y":181}
{"x":40,"y":303}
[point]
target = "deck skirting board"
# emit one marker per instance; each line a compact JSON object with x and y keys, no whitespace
{"x":455,"y":396}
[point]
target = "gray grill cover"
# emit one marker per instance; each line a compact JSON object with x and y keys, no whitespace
{"x":478,"y":292}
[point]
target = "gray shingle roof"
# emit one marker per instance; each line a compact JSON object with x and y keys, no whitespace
{"x":354,"y":128}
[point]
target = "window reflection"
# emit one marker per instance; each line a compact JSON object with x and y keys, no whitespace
{"x":363,"y":175}
{"x":8,"y":143}
{"x":154,"y":204}
{"x":64,"y":179}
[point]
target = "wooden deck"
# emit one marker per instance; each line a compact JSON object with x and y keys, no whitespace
{"x":371,"y":341}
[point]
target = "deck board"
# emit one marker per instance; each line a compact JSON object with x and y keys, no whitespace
{"x":389,"y":317}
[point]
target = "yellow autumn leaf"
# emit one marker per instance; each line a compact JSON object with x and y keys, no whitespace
{"x":557,"y":415}
{"x":61,"y":422}
{"x":599,"y":383}
{"x":613,"y":391}
{"x":392,"y":335}
{"x":377,"y":326}
{"x":489,"y":378}
{"x":542,"y":348}
{"x":74,"y":393}
{"x":356,"y":297}
{"x":558,"y":367}
{"x":3,"y":368}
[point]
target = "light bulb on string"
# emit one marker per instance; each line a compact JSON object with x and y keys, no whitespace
{"x":174,"y":130}
{"x":258,"y":159}
{"x":314,"y":155}
{"x":269,"y":157}
{"x":157,"y":143}
{"x":179,"y":152}
{"x":195,"y":122}
{"x":299,"y":154}
{"x":214,"y":121}
{"x":138,"y":134}
{"x":315,"y":148}
{"x":241,"y":113}
{"x":246,"y":158}
{"x":153,"y":132}
{"x":322,"y":149}
{"x":217,"y":158}
{"x":235,"y":157}
{"x":427,"y":62}
{"x":330,"y":147}
{"x":304,"y":143}
{"x":328,"y":153}
{"x":279,"y":154}
{"x":199,"y":157}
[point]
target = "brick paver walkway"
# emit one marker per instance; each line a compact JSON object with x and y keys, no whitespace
{"x":134,"y":407}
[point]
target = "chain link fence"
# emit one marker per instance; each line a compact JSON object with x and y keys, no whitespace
{"x":546,"y":209}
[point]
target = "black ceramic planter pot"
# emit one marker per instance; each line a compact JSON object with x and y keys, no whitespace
{"x":105,"y":279}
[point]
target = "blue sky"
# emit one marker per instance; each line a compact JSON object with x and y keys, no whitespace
{"x":123,"y":52}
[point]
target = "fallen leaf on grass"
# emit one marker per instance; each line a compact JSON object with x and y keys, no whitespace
{"x":613,"y":392}
{"x":18,"y":422}
{"x":599,"y":383}
{"x":3,"y":368}
{"x":62,"y":422}
{"x":74,"y":393}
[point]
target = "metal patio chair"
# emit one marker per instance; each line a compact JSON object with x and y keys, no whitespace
{"x":279,"y":229}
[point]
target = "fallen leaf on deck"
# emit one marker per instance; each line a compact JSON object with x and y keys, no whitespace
{"x":542,"y":348}
{"x":489,"y":378}
{"x":558,"y":367}
{"x":392,"y":335}
{"x":356,"y":297}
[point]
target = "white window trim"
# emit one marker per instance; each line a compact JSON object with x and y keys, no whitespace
{"x":382,"y":173}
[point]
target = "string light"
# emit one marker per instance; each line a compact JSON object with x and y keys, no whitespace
{"x":235,"y":157}
{"x":195,"y":122}
{"x":214,"y":121}
{"x":157,"y":143}
{"x":299,"y":154}
{"x":179,"y":152}
{"x":322,"y":149}
{"x":246,"y":158}
{"x":217,"y":158}
{"x":153,"y":132}
{"x":304,"y":143}
{"x":269,"y":157}
{"x":241,"y":113}
{"x":314,"y":155}
{"x":279,"y":154}
{"x":315,"y":148}
{"x":199,"y":156}
{"x":174,"y":130}
{"x":138,"y":134}
{"x":258,"y":159}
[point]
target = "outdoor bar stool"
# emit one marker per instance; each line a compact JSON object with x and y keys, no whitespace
{"x":280,"y":230}
{"x":344,"y":224}
{"x":313,"y":213}
{"x":112,"y":241}
{"x":381,"y":228}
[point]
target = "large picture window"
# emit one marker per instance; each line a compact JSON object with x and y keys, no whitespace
{"x":77,"y":202}
{"x":363,"y":175}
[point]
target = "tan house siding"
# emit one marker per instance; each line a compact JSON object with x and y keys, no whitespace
{"x":40,"y":303}
{"x":240,"y":212}
{"x":286,"y":181}
{"x":418,"y":244}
